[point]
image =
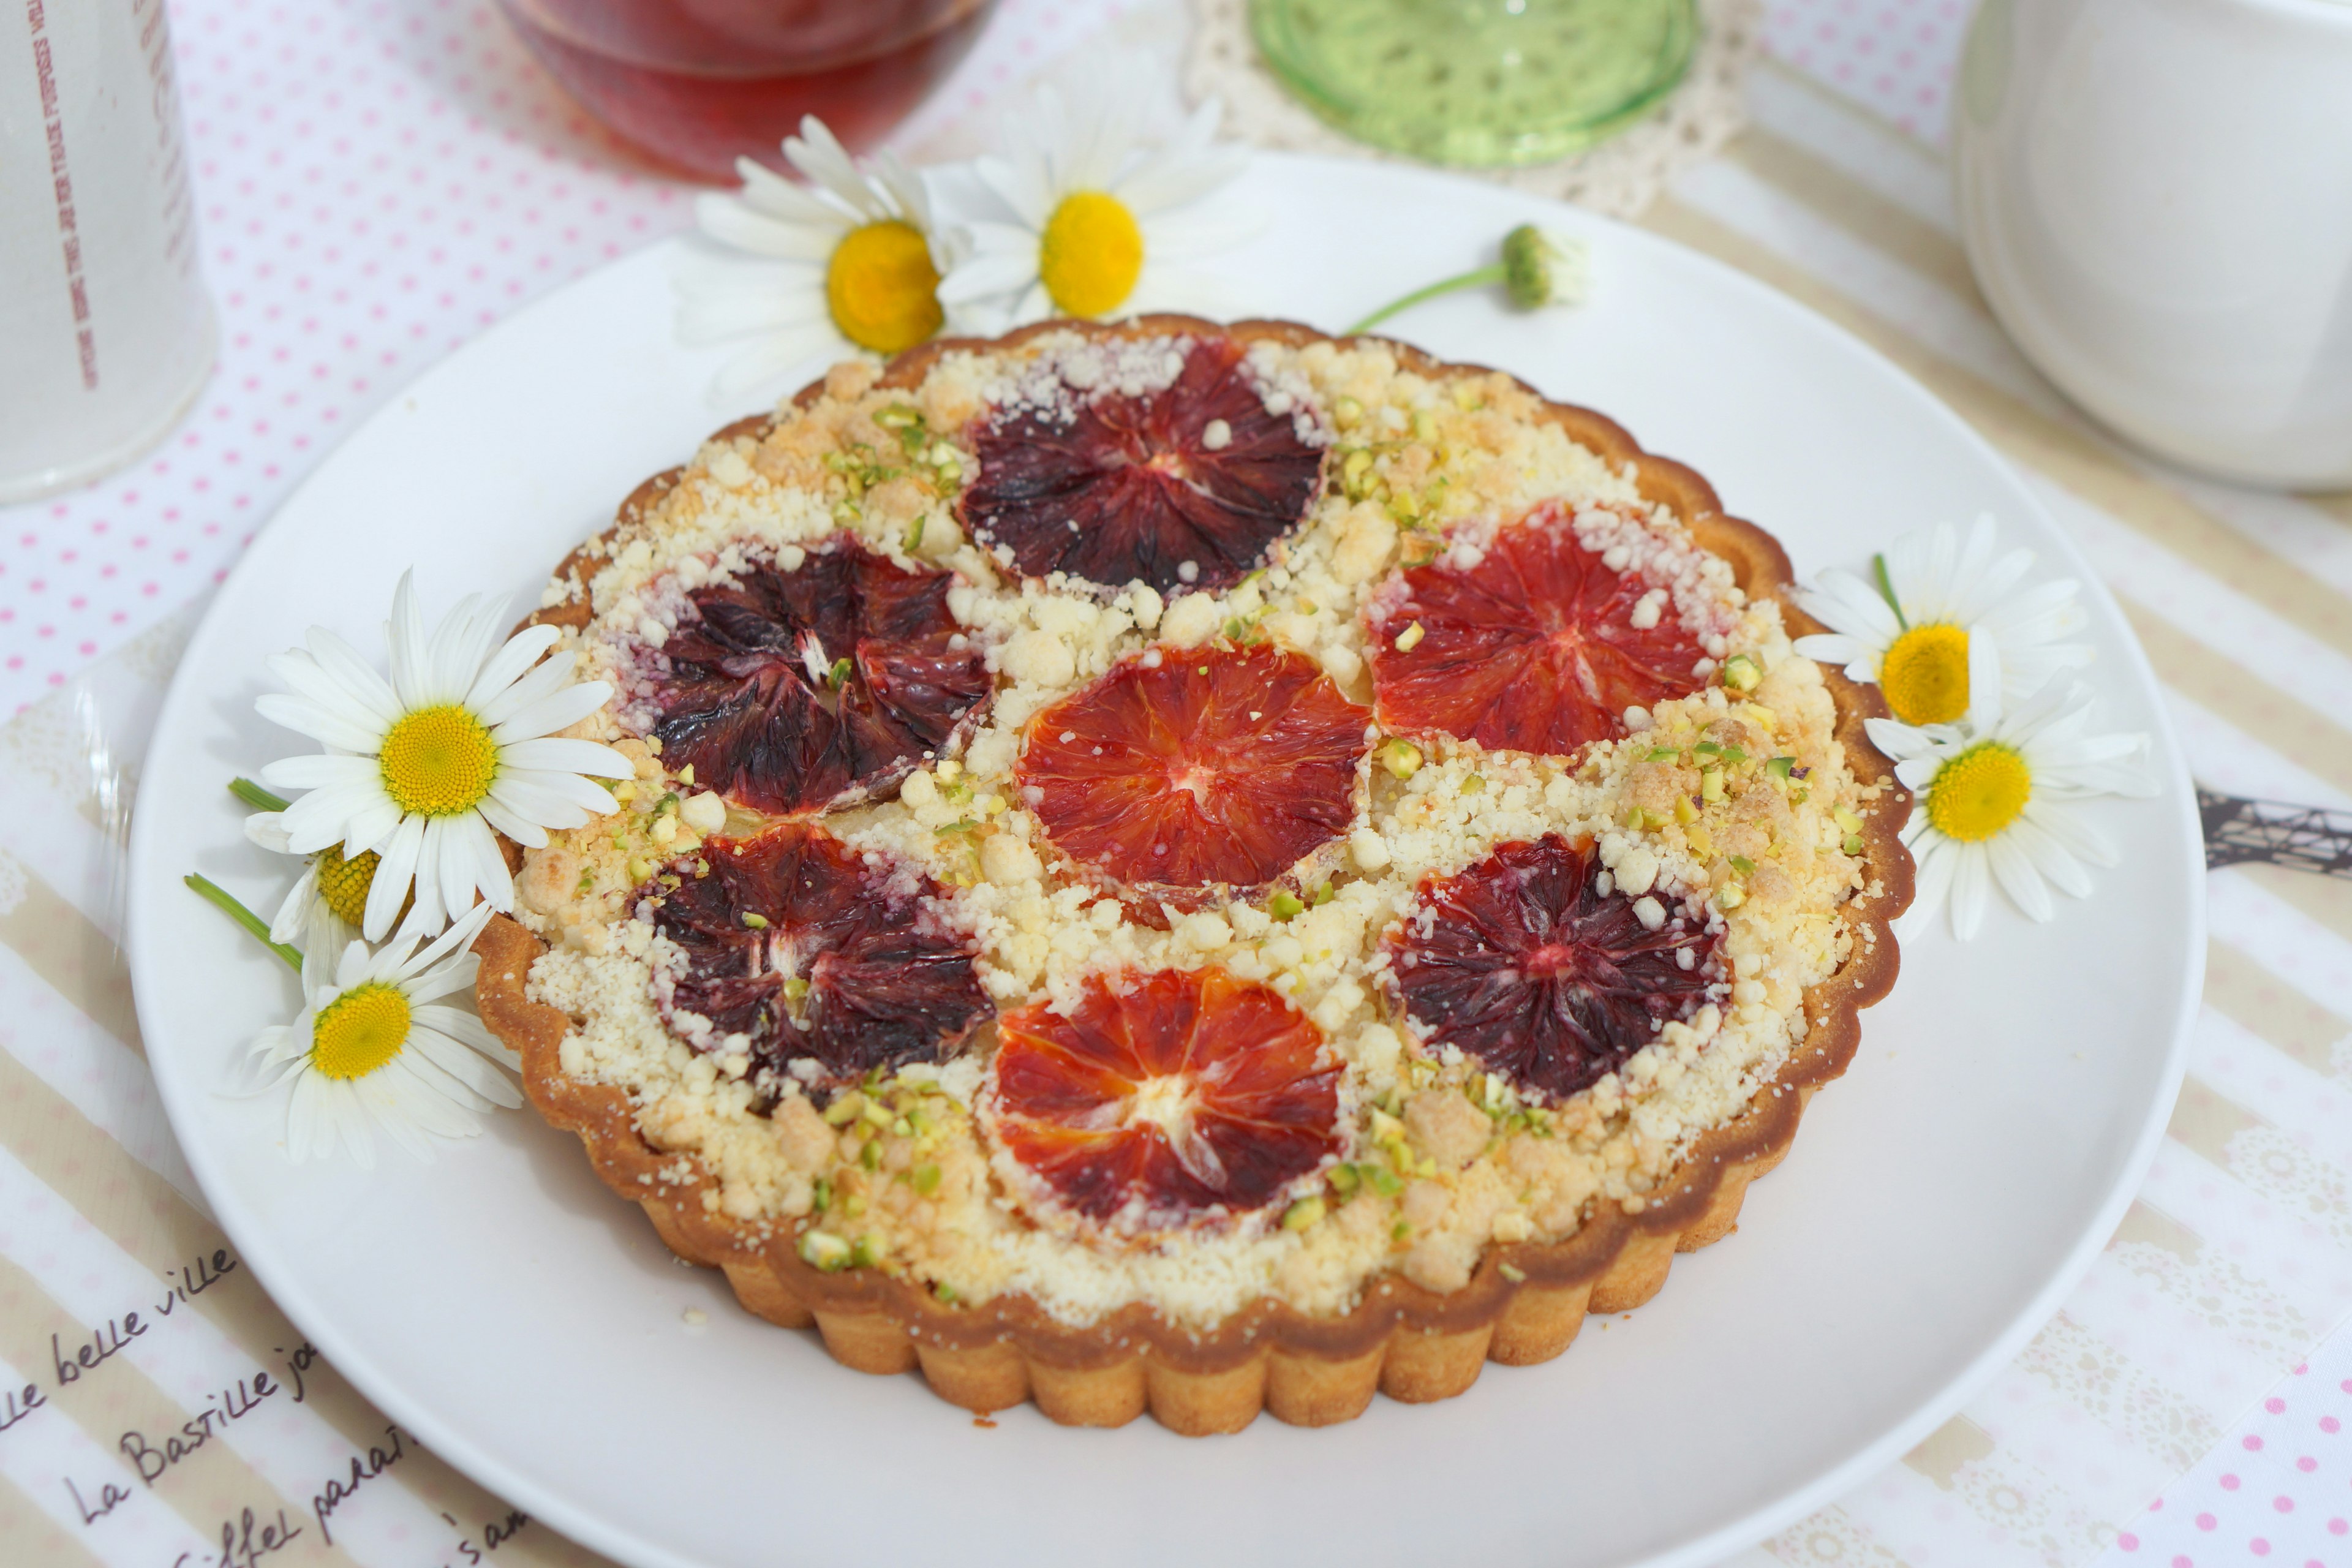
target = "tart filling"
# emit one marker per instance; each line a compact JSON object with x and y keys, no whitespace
{"x":1179,"y":819}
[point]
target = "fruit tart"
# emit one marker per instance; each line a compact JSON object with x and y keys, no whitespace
{"x":1195,"y":869}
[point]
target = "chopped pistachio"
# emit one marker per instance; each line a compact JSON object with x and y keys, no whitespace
{"x":1515,"y":1275}
{"x":876,"y":1113}
{"x":1662,"y":754}
{"x":1710,"y":784}
{"x":926,"y":1179}
{"x":1302,"y":1214}
{"x":1345,"y":412}
{"x":1779,"y":766}
{"x":946,"y":1293}
{"x":1684,"y":812}
{"x":1731,"y":897}
{"x":795,"y":988}
{"x":1383,"y":1179}
{"x":1701,"y":840}
{"x":1400,"y":1230}
{"x":1323,"y":895}
{"x":1733,"y":756}
{"x":902,"y":1128}
{"x":1743,"y":865}
{"x":1410,"y":638}
{"x":822,"y":1249}
{"x":914,"y":536}
{"x":1741,"y":673}
{"x":854,"y":1204}
{"x":844,"y":1112}
{"x":1845,"y":819}
{"x":755,"y":920}
{"x":1344,"y":1180}
{"x":1284,"y":905}
{"x":820,"y":1195}
{"x":1852,"y":845}
{"x":1401,"y":757}
{"x":866,"y":1254}
{"x":1473,"y":783}
{"x":839,"y":674}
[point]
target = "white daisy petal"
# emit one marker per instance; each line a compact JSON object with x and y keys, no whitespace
{"x":352,"y":676}
{"x":568,"y":756}
{"x":728,"y":221}
{"x":535,"y":798}
{"x":294,"y":915}
{"x":549,"y":714}
{"x":772,"y":358}
{"x":523,"y":653}
{"x":523,"y":831}
{"x":395,"y":875}
{"x":2014,"y":869}
{"x":1972,"y":889}
{"x":2051,"y":858}
{"x":770,"y":195}
{"x":323,"y":725}
{"x":537,"y":684}
{"x":408,"y":644}
{"x":268,"y":830}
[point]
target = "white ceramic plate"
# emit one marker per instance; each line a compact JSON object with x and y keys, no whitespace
{"x":508,"y":1310}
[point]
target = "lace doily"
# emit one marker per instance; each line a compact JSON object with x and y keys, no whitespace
{"x":1619,"y":176}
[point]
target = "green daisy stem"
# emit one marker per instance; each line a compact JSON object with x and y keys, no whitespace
{"x":216,"y":894}
{"x":1886,"y":590}
{"x":1496,"y":274}
{"x":254,"y":796}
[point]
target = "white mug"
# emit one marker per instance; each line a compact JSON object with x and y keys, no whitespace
{"x":105,"y":332}
{"x":2156,"y":198}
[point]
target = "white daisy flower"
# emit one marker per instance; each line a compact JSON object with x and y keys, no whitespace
{"x":427,"y":770}
{"x":1943,"y":622}
{"x":1998,"y":799}
{"x":326,"y":906}
{"x":370,"y":1049}
{"x":1103,"y":228}
{"x":849,"y":262}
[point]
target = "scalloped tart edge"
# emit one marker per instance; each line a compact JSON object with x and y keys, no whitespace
{"x":1522,"y":1306}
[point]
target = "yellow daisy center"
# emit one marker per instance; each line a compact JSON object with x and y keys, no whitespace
{"x":1090,"y":254}
{"x":360,"y":1031}
{"x":1925,"y":674}
{"x":882,"y":289}
{"x":1979,"y":793}
{"x":438,"y":761}
{"x":344,"y":884}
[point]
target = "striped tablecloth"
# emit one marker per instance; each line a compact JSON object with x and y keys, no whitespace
{"x":377,"y":180}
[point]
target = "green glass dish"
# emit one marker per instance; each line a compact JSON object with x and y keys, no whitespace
{"x":1477,"y":83}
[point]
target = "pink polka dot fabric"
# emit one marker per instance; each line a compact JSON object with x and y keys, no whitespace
{"x":376,"y":182}
{"x":1894,"y":56}
{"x":2277,"y":1490}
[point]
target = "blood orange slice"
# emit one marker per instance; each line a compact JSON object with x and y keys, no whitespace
{"x":788,"y":690}
{"x":1179,"y":772}
{"x":1185,"y":486}
{"x":831,"y":962}
{"x":1164,"y":1098}
{"x":1525,"y":964}
{"x":1537,"y":647}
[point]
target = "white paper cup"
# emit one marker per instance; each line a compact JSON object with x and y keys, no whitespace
{"x":106,"y":331}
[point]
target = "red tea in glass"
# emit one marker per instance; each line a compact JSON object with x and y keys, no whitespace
{"x":698,"y":82}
